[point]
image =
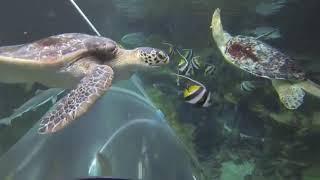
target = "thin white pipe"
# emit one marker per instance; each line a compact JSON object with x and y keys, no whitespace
{"x":123,"y":128}
{"x":85,"y":17}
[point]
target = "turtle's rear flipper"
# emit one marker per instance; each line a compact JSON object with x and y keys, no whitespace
{"x":291,"y":95}
{"x":310,"y":87}
{"x":78,"y":101}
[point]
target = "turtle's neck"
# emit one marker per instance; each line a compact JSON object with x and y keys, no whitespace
{"x":124,"y":57}
{"x":125,"y":63}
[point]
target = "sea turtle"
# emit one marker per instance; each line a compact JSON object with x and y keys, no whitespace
{"x":262,"y":60}
{"x":84,"y":63}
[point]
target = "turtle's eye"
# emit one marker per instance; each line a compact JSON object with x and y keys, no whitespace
{"x":161,"y":55}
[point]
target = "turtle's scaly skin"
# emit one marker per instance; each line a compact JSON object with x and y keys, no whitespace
{"x":84,"y":63}
{"x":260,"y":59}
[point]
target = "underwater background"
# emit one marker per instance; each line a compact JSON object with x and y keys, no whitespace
{"x":246,"y":133}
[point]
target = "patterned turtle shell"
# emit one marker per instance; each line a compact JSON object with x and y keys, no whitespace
{"x":59,"y":47}
{"x":260,"y":59}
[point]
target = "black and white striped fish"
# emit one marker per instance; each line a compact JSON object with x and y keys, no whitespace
{"x":249,"y":86}
{"x":172,"y":51}
{"x":196,"y":94}
{"x":209,"y":70}
{"x":188,"y":62}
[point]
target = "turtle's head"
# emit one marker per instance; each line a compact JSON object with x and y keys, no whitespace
{"x":126,"y":62}
{"x":152,"y":57}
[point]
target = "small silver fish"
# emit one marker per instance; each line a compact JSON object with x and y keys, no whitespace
{"x":183,"y":66}
{"x":249,"y":86}
{"x":134,"y":39}
{"x":271,"y":8}
{"x":265,"y":32}
{"x":195,"y":62}
{"x":209,"y":70}
{"x":41,"y":97}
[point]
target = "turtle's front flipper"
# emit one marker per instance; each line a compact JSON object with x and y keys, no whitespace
{"x":78,"y":101}
{"x":220,"y":36}
{"x":217,"y":29}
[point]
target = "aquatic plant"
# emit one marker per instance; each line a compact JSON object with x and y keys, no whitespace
{"x":311,"y":173}
{"x":233,"y":171}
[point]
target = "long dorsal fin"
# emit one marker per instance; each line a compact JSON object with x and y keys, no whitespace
{"x":190,"y":79}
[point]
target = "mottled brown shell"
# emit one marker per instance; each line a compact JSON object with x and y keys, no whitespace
{"x":58,"y":48}
{"x":260,"y":59}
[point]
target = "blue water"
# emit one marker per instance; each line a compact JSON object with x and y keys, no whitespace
{"x":243,"y":134}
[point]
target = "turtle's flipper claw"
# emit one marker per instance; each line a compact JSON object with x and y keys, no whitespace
{"x":78,"y":101}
